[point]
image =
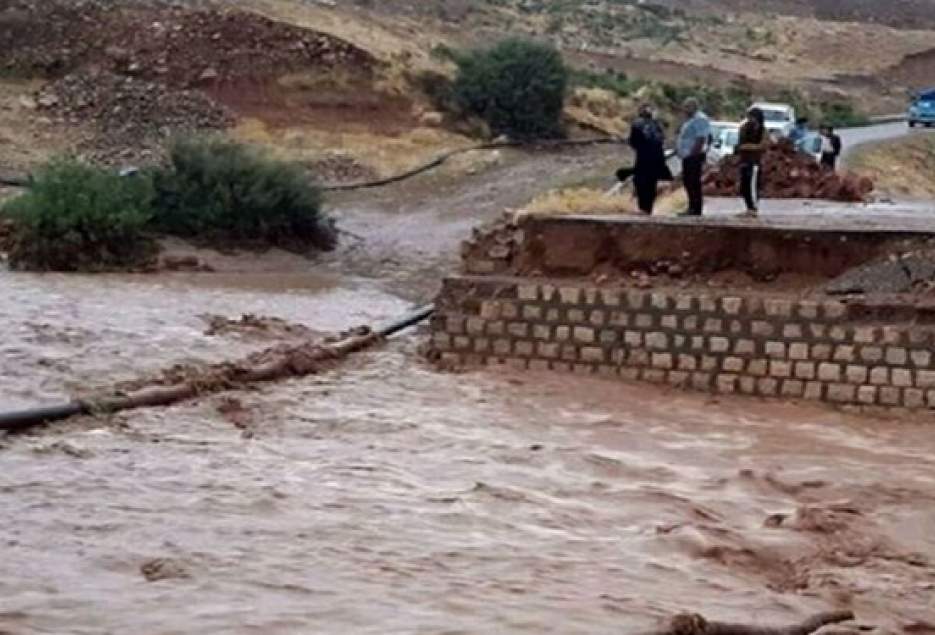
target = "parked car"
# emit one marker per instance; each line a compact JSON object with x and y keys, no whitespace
{"x":725,"y":135}
{"x":780,"y":118}
{"x":922,"y":110}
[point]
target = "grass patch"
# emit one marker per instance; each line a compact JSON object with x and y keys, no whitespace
{"x":587,"y":201}
{"x":903,"y":167}
{"x":578,"y":200}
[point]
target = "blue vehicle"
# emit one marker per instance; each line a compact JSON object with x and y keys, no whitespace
{"x":922,"y":110}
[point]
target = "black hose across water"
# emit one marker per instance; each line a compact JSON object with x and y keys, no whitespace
{"x":25,"y":419}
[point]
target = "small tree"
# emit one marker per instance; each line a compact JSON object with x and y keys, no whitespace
{"x":77,"y":217}
{"x":219,"y":190}
{"x":518,"y":87}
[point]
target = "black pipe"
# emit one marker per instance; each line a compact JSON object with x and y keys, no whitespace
{"x":410,"y":320}
{"x":18,"y":421}
{"x":24,"y":419}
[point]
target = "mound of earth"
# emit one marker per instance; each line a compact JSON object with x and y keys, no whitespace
{"x":789,"y":174}
{"x":128,"y":77}
{"x":127,"y":112}
{"x":180,"y":47}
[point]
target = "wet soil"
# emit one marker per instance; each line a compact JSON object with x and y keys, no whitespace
{"x":410,"y":234}
{"x":387,"y":497}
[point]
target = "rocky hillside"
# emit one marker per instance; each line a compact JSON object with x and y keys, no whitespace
{"x":809,"y":43}
{"x":911,"y":14}
{"x":339,"y":84}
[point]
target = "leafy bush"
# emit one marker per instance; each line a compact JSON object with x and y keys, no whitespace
{"x":218,"y":190}
{"x":81,"y":218}
{"x":842,"y":115}
{"x":518,"y":87}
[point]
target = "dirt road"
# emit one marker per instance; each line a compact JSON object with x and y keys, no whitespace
{"x":386,"y":497}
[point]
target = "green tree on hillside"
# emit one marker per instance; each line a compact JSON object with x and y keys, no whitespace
{"x":518,"y":87}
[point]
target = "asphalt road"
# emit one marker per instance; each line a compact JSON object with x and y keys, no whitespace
{"x":855,"y":137}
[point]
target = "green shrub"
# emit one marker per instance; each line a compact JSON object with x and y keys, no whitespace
{"x":81,"y":218}
{"x":218,"y":190}
{"x":518,"y":87}
{"x":842,"y":115}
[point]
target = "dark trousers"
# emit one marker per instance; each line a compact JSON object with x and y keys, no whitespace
{"x":692,"y":170}
{"x":646,"y":186}
{"x":750,"y":184}
{"x":829,"y":160}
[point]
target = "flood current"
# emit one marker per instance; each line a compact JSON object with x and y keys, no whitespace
{"x":385,"y":496}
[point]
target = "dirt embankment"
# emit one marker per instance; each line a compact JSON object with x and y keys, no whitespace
{"x":903,"y":168}
{"x":916,"y":71}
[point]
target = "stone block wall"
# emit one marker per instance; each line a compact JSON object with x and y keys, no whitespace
{"x":750,"y":344}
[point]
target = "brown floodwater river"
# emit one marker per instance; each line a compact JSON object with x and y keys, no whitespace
{"x":387,"y":497}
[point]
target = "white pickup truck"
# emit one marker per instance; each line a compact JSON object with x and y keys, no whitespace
{"x":780,"y":118}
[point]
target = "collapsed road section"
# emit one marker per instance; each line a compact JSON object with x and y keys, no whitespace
{"x":831,"y":314}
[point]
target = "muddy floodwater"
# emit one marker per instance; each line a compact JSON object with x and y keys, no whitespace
{"x":387,"y":497}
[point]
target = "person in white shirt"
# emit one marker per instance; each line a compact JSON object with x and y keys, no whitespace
{"x":692,"y":147}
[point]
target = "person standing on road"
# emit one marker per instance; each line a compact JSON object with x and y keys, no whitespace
{"x":830,"y":147}
{"x":752,"y":143}
{"x":692,"y":147}
{"x":648,"y":142}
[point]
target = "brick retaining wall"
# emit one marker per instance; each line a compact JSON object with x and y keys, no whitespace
{"x":756,"y":345}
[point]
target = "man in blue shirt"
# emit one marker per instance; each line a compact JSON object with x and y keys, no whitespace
{"x":692,"y":147}
{"x":799,"y":132}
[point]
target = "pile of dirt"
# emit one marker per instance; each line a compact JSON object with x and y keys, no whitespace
{"x":197,"y":48}
{"x":789,"y":174}
{"x":146,"y":70}
{"x":182,"y":47}
{"x":128,"y":112}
